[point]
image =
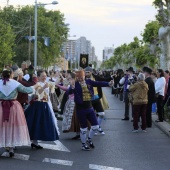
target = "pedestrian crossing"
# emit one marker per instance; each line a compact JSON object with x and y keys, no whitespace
{"x":17,"y":156}
{"x":58,"y":161}
{"x":57,"y":146}
{"x":100,"y":167}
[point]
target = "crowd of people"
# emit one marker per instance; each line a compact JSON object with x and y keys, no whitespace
{"x":146,"y":91}
{"x":31,"y":102}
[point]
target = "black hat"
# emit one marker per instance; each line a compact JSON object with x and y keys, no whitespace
{"x":31,"y":67}
{"x":147,"y":69}
{"x":130,"y":69}
{"x":144,"y":69}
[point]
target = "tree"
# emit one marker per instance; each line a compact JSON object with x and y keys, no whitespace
{"x":163,"y":17}
{"x":50,"y":24}
{"x":6,"y":43}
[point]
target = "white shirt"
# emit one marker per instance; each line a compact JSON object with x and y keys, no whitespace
{"x":160,"y":86}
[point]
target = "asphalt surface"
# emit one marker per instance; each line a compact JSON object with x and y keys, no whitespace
{"x":118,"y":149}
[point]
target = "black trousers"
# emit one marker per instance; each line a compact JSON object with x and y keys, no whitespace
{"x":63,"y":102}
{"x":160,"y":111}
{"x":149,"y":115}
{"x":126,"y":100}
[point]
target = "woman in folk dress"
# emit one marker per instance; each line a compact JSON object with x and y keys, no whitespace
{"x":13,"y":126}
{"x":41,"y":120}
{"x":68,"y":108}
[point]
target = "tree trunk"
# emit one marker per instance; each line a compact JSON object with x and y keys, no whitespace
{"x":164,"y":35}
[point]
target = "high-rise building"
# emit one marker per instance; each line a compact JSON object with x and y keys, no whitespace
{"x":107,"y":53}
{"x":73,"y":48}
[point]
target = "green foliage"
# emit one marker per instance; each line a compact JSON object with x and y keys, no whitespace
{"x":50,"y":24}
{"x":142,"y":56}
{"x":135,"y":54}
{"x":6,"y":43}
{"x":156,"y":3}
{"x":151,"y":31}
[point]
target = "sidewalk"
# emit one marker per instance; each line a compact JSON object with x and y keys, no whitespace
{"x":164,"y":126}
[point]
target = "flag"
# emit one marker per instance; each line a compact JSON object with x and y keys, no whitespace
{"x":46,"y":41}
{"x":83,"y":60}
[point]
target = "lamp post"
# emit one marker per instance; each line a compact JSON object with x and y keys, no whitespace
{"x":35,"y":29}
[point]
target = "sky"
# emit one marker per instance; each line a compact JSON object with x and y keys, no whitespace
{"x":106,"y":23}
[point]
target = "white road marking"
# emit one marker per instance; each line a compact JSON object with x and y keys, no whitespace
{"x":17,"y":156}
{"x":58,"y":161}
{"x":99,"y":167}
{"x":58,"y":146}
{"x":61,"y":146}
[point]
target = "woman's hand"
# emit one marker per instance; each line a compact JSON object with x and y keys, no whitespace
{"x":111,"y":83}
{"x":45,"y":86}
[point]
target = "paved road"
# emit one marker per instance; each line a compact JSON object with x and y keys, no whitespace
{"x":119,"y":149}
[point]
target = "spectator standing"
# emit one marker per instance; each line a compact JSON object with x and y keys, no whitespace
{"x":127,"y":79}
{"x":160,"y":90}
{"x":151,"y":95}
{"x":139,"y":92}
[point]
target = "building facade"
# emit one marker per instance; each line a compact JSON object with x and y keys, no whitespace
{"x":73,"y":48}
{"x":107,"y":53}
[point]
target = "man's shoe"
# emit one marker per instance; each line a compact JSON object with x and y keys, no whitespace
{"x":85,"y":148}
{"x":135,"y":131}
{"x":90,"y":144}
{"x":101,"y":132}
{"x":126,"y":118}
{"x":158,"y":120}
{"x":11,"y":154}
{"x":76,"y":137}
{"x":144,"y":131}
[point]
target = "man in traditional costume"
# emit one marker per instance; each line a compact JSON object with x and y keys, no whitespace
{"x":96,"y":103}
{"x":83,"y":94}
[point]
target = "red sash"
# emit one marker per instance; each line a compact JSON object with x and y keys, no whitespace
{"x":6,"y":105}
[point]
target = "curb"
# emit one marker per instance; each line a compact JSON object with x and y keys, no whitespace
{"x":164,"y":126}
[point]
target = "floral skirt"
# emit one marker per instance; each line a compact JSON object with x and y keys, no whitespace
{"x":67,"y":115}
{"x":14,"y":132}
{"x":54,"y":101}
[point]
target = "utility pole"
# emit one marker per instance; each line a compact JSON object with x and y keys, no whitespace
{"x":55,"y":51}
{"x":29,"y":45}
{"x":71,"y":55}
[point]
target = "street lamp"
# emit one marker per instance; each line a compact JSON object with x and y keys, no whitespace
{"x":35,"y":29}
